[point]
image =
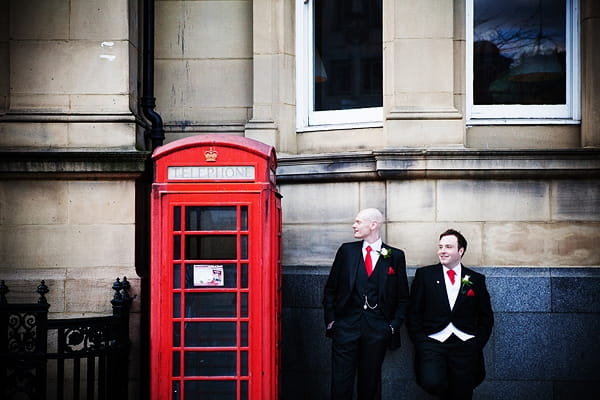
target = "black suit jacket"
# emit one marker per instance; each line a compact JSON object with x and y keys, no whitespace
{"x":392,"y":286}
{"x":429,"y":310}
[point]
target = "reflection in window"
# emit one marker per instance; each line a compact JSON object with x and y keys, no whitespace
{"x":348,"y":56}
{"x":519,"y":52}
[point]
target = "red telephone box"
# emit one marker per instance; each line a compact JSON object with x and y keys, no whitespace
{"x":215,"y":273}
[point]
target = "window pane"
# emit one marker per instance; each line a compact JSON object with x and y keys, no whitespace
{"x":176,"y":363}
{"x":211,"y":390}
{"x":210,"y":219}
{"x":176,"y":390}
{"x":198,"y":305}
{"x":244,"y":218}
{"x":218,"y":363}
{"x":348,"y":54}
{"x":176,"y":247}
{"x":210,"y":247}
{"x":176,"y":305}
{"x":177,"y":218}
{"x":519,"y":52}
{"x":176,"y":334}
{"x":176,"y":276}
{"x":210,"y":334}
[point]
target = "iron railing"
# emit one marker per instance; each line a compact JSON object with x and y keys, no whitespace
{"x":70,"y":359}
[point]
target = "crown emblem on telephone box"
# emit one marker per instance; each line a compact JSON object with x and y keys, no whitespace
{"x":211,"y":154}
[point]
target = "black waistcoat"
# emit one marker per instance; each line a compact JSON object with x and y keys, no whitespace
{"x":365,"y":285}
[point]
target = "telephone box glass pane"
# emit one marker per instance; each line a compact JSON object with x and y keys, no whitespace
{"x":176,"y":247}
{"x":176,"y":363}
{"x":210,"y":247}
{"x":213,"y":390}
{"x":177,"y":218}
{"x":244,"y":246}
{"x":244,"y":334}
{"x":210,"y":334}
{"x":229,"y":278}
{"x":210,"y":219}
{"x":176,"y":305}
{"x":244,"y":305}
{"x":210,"y":363}
{"x":210,"y":305}
{"x":244,"y":218}
{"x":244,"y":363}
{"x":244,"y":390}
{"x":176,"y":334}
{"x":244,"y":277}
{"x":176,"y":390}
{"x":177,"y":276}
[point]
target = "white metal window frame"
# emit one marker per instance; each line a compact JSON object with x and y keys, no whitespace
{"x":306,"y":118}
{"x":569,"y":113}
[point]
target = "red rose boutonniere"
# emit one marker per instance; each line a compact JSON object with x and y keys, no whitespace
{"x":470,"y":293}
{"x":391,"y":271}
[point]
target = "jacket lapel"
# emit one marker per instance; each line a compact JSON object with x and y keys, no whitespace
{"x":461,"y":296}
{"x":356,"y":261}
{"x":442,"y":292}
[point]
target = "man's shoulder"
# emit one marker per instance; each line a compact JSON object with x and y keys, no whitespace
{"x":428,"y":269}
{"x":351,"y":245}
{"x":473,"y":273}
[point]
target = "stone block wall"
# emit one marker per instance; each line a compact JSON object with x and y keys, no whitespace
{"x":543,"y":346}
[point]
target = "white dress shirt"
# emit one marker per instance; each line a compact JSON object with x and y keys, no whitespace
{"x":452,"y":291}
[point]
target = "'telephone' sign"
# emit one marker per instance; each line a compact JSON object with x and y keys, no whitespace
{"x":225,"y":172}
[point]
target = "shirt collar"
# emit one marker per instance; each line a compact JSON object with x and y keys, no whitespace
{"x":457,"y":269}
{"x":375,"y":246}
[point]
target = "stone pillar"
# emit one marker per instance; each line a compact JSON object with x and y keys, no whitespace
{"x":273,"y":109}
{"x":590,"y":65}
{"x":4,"y":57}
{"x":73,"y":72}
{"x":419,"y":74}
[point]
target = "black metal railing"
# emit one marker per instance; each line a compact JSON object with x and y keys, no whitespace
{"x":76,"y":358}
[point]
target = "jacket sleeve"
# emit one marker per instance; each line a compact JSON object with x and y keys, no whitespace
{"x":486,"y":316}
{"x":416,"y":309}
{"x":402,"y":287}
{"x":331,"y":288}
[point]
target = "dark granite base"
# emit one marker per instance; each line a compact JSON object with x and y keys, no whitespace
{"x":545,"y":344}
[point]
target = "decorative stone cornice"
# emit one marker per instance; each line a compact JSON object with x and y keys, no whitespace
{"x":72,"y":163}
{"x":440,"y":164}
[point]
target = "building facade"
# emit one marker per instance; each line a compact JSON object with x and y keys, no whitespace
{"x":423,"y":109}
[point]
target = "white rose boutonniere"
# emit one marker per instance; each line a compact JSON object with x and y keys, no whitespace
{"x":465,"y":283}
{"x":385,"y":253}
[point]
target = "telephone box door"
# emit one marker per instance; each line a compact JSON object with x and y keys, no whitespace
{"x":215,"y":278}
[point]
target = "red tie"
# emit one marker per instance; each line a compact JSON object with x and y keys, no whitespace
{"x":451,"y":274}
{"x":368,"y":261}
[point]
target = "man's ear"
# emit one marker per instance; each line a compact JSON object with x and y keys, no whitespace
{"x":461,"y":251}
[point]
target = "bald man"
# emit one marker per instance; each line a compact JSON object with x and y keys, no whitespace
{"x":365,"y":301}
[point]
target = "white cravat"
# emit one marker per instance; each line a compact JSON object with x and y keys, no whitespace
{"x":452,"y":291}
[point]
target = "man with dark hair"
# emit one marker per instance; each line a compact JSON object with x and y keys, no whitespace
{"x":450,"y":320}
{"x":364,"y":306}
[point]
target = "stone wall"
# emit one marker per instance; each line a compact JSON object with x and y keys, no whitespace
{"x":543,"y":346}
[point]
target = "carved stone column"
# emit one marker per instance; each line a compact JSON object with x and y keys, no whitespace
{"x":273,"y":111}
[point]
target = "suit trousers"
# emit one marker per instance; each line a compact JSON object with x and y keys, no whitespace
{"x":358,"y":349}
{"x":447,"y":369}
